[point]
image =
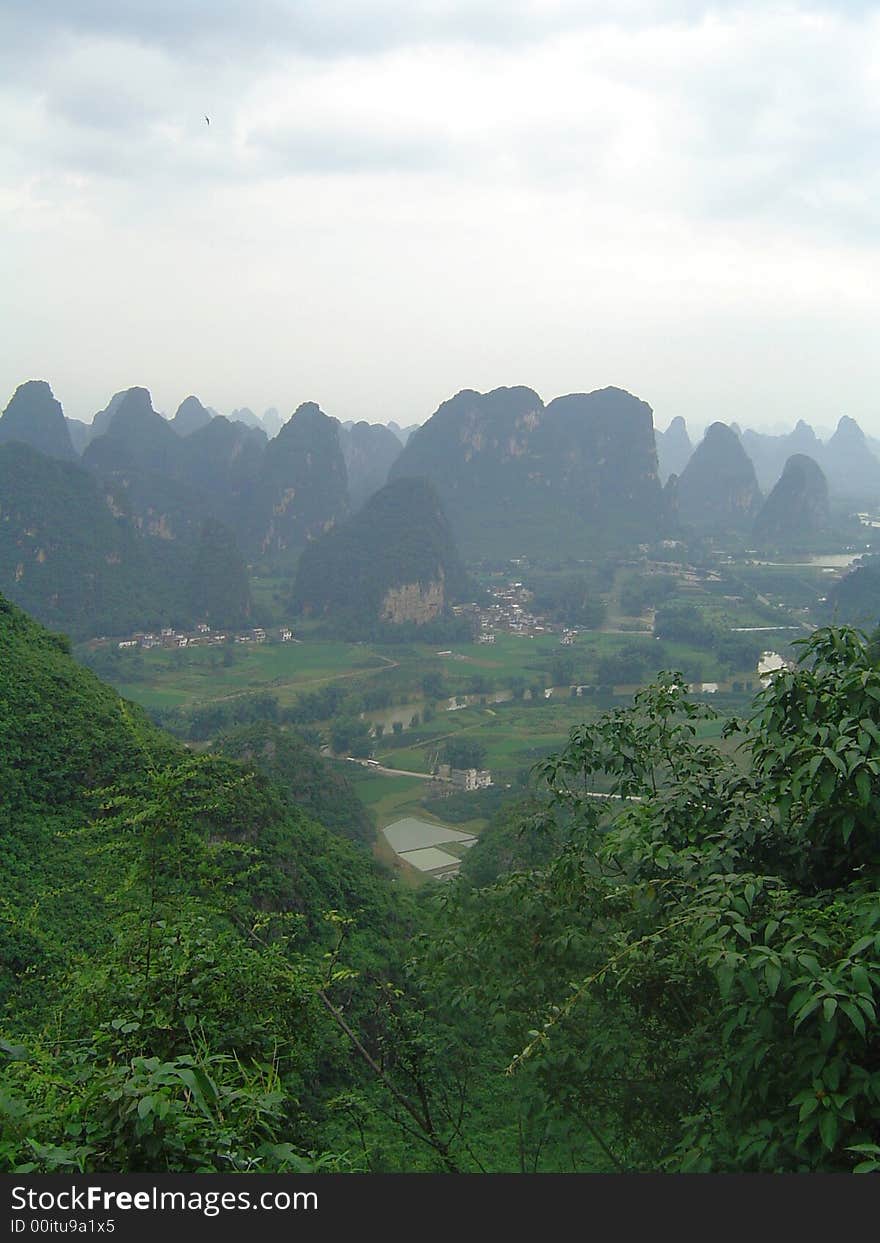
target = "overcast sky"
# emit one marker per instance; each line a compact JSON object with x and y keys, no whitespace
{"x":398,"y":199}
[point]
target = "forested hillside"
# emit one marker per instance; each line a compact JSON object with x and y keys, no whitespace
{"x":197,"y":975}
{"x":165,"y":924}
{"x":393,"y":562}
{"x":71,"y":554}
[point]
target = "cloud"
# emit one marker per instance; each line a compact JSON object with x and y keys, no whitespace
{"x":724,"y":110}
{"x":436,"y":187}
{"x":326,"y":27}
{"x":191,"y":29}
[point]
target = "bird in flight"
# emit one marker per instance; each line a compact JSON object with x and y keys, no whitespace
{"x":208,"y":120}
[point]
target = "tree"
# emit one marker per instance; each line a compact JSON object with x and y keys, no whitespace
{"x":683,"y":623}
{"x":562,"y":668}
{"x":349,"y":735}
{"x":722,"y":927}
{"x":464,"y":753}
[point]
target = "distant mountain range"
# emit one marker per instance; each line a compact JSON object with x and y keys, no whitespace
{"x":848,"y":458}
{"x":674,"y":448}
{"x":140,"y":508}
{"x":518,"y":478}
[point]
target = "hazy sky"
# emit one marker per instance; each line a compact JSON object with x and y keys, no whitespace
{"x":398,"y":199}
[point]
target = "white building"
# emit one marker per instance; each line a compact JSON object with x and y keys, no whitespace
{"x":769,"y":664}
{"x":470,"y":778}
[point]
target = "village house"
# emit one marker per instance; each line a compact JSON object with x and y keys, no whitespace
{"x":470,"y":778}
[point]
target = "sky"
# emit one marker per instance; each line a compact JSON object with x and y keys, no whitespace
{"x":393,"y":200}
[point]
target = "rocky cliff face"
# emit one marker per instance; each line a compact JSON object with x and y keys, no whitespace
{"x":413,"y":602}
{"x":797,"y":508}
{"x":141,"y":456}
{"x":517,"y":477}
{"x":33,"y":417}
{"x":718,"y":488}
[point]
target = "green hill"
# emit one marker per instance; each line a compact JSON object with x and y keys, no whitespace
{"x":394,"y":562}
{"x":855,"y":599}
{"x":74,"y":555}
{"x":797,"y":509}
{"x":71,"y":554}
{"x":165,"y":923}
{"x":718,"y":490}
{"x":304,"y":775}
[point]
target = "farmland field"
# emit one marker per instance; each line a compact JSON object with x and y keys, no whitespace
{"x":197,"y":675}
{"x":402,"y":694}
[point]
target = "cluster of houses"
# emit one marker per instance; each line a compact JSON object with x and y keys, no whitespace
{"x":204,"y":636}
{"x":510,"y":611}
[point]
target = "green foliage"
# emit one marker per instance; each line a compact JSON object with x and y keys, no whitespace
{"x":856,"y":598}
{"x":163,"y":938}
{"x":210,"y":719}
{"x":572,"y":599}
{"x":671,"y":949}
{"x":685,"y":623}
{"x":306,"y":777}
{"x":351,"y":736}
{"x":723,"y":927}
{"x":434,"y":686}
{"x":464,"y":753}
{"x":641,"y":591}
{"x":628,"y":665}
{"x":510,"y":844}
{"x":71,"y":554}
